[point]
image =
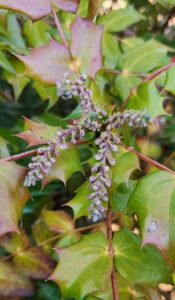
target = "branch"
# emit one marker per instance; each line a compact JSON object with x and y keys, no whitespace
{"x":111,"y":253}
{"x":150,"y":161}
{"x":58,"y":25}
{"x":19,"y":156}
{"x":148,"y":78}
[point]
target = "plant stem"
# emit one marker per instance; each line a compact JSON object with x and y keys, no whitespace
{"x":150,"y":161}
{"x":58,"y":25}
{"x":148,"y":78}
{"x":19,"y":156}
{"x":111,"y":253}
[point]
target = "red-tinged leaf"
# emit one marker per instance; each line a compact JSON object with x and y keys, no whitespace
{"x":34,"y":263}
{"x":86,"y":40}
{"x":34,"y":9}
{"x":37,"y":133}
{"x":12,"y":283}
{"x":13,"y":242}
{"x":47,"y":63}
{"x":67,"y":5}
{"x":13,"y":196}
{"x":58,"y":221}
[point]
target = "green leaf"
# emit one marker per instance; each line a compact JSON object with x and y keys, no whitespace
{"x":33,"y":9}
{"x":147,"y":97}
{"x":80,"y":202}
{"x":36,"y":33}
{"x":14,"y":242}
{"x":75,"y":271}
{"x":4,"y":151}
{"x":166,"y":3}
{"x":12,"y":283}
{"x":126,"y":163}
{"x":154,"y":203}
{"x":18,"y":81}
{"x":13,"y":196}
{"x":111,"y":50}
{"x":34,"y":263}
{"x":122,"y":194}
{"x":89,"y":62}
{"x":169,"y":81}
{"x":37,"y":133}
{"x":125,"y":290}
{"x":143,"y":58}
{"x":119,"y":20}
{"x":139,"y":265}
{"x":58,"y":221}
{"x":47,"y":63}
{"x":46,"y":92}
{"x":4,"y":63}
{"x":67,"y":163}
{"x":124,"y":83}
{"x":14,"y":32}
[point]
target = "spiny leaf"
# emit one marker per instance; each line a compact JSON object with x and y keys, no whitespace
{"x":139,"y":265}
{"x":13,"y":242}
{"x":119,"y":20}
{"x":37,"y":133}
{"x":12,"y":283}
{"x":34,"y":263}
{"x":143,"y":58}
{"x":58,"y":221}
{"x":34,"y":9}
{"x":77,"y":262}
{"x":67,"y":5}
{"x":147,"y":97}
{"x":126,"y":163}
{"x":80,"y":202}
{"x":47,"y":63}
{"x":67,"y":163}
{"x":154,"y":203}
{"x":13,"y":196}
{"x":86,"y":35}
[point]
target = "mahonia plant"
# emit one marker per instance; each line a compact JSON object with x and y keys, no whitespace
{"x":102,"y":226}
{"x":103,"y":125}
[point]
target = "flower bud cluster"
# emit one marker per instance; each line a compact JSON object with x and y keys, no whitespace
{"x":93,"y":120}
{"x":46,"y":156}
{"x":69,"y":88}
{"x":100,"y":180}
{"x":134,"y":118}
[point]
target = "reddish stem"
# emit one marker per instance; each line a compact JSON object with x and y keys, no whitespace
{"x":19,"y":156}
{"x":150,"y":161}
{"x":148,"y":78}
{"x":58,"y":25}
{"x":111,"y":253}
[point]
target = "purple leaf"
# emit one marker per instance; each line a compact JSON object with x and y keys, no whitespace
{"x":86,"y":46}
{"x":34,"y":9}
{"x":47,"y":63}
{"x":67,"y":5}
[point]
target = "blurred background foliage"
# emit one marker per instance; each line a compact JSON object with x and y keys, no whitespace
{"x":131,"y":41}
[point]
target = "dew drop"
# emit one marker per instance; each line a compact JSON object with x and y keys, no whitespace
{"x":152,"y":227}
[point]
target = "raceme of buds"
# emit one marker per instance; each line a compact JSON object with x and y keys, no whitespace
{"x":100,"y":180}
{"x":95,"y":120}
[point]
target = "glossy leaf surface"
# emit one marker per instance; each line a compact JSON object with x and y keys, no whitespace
{"x":80,"y":260}
{"x":131,"y":260}
{"x":13,"y":196}
{"x":154,"y":203}
{"x":87,"y":50}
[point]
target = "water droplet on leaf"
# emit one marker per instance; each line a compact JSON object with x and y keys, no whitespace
{"x":152,"y":227}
